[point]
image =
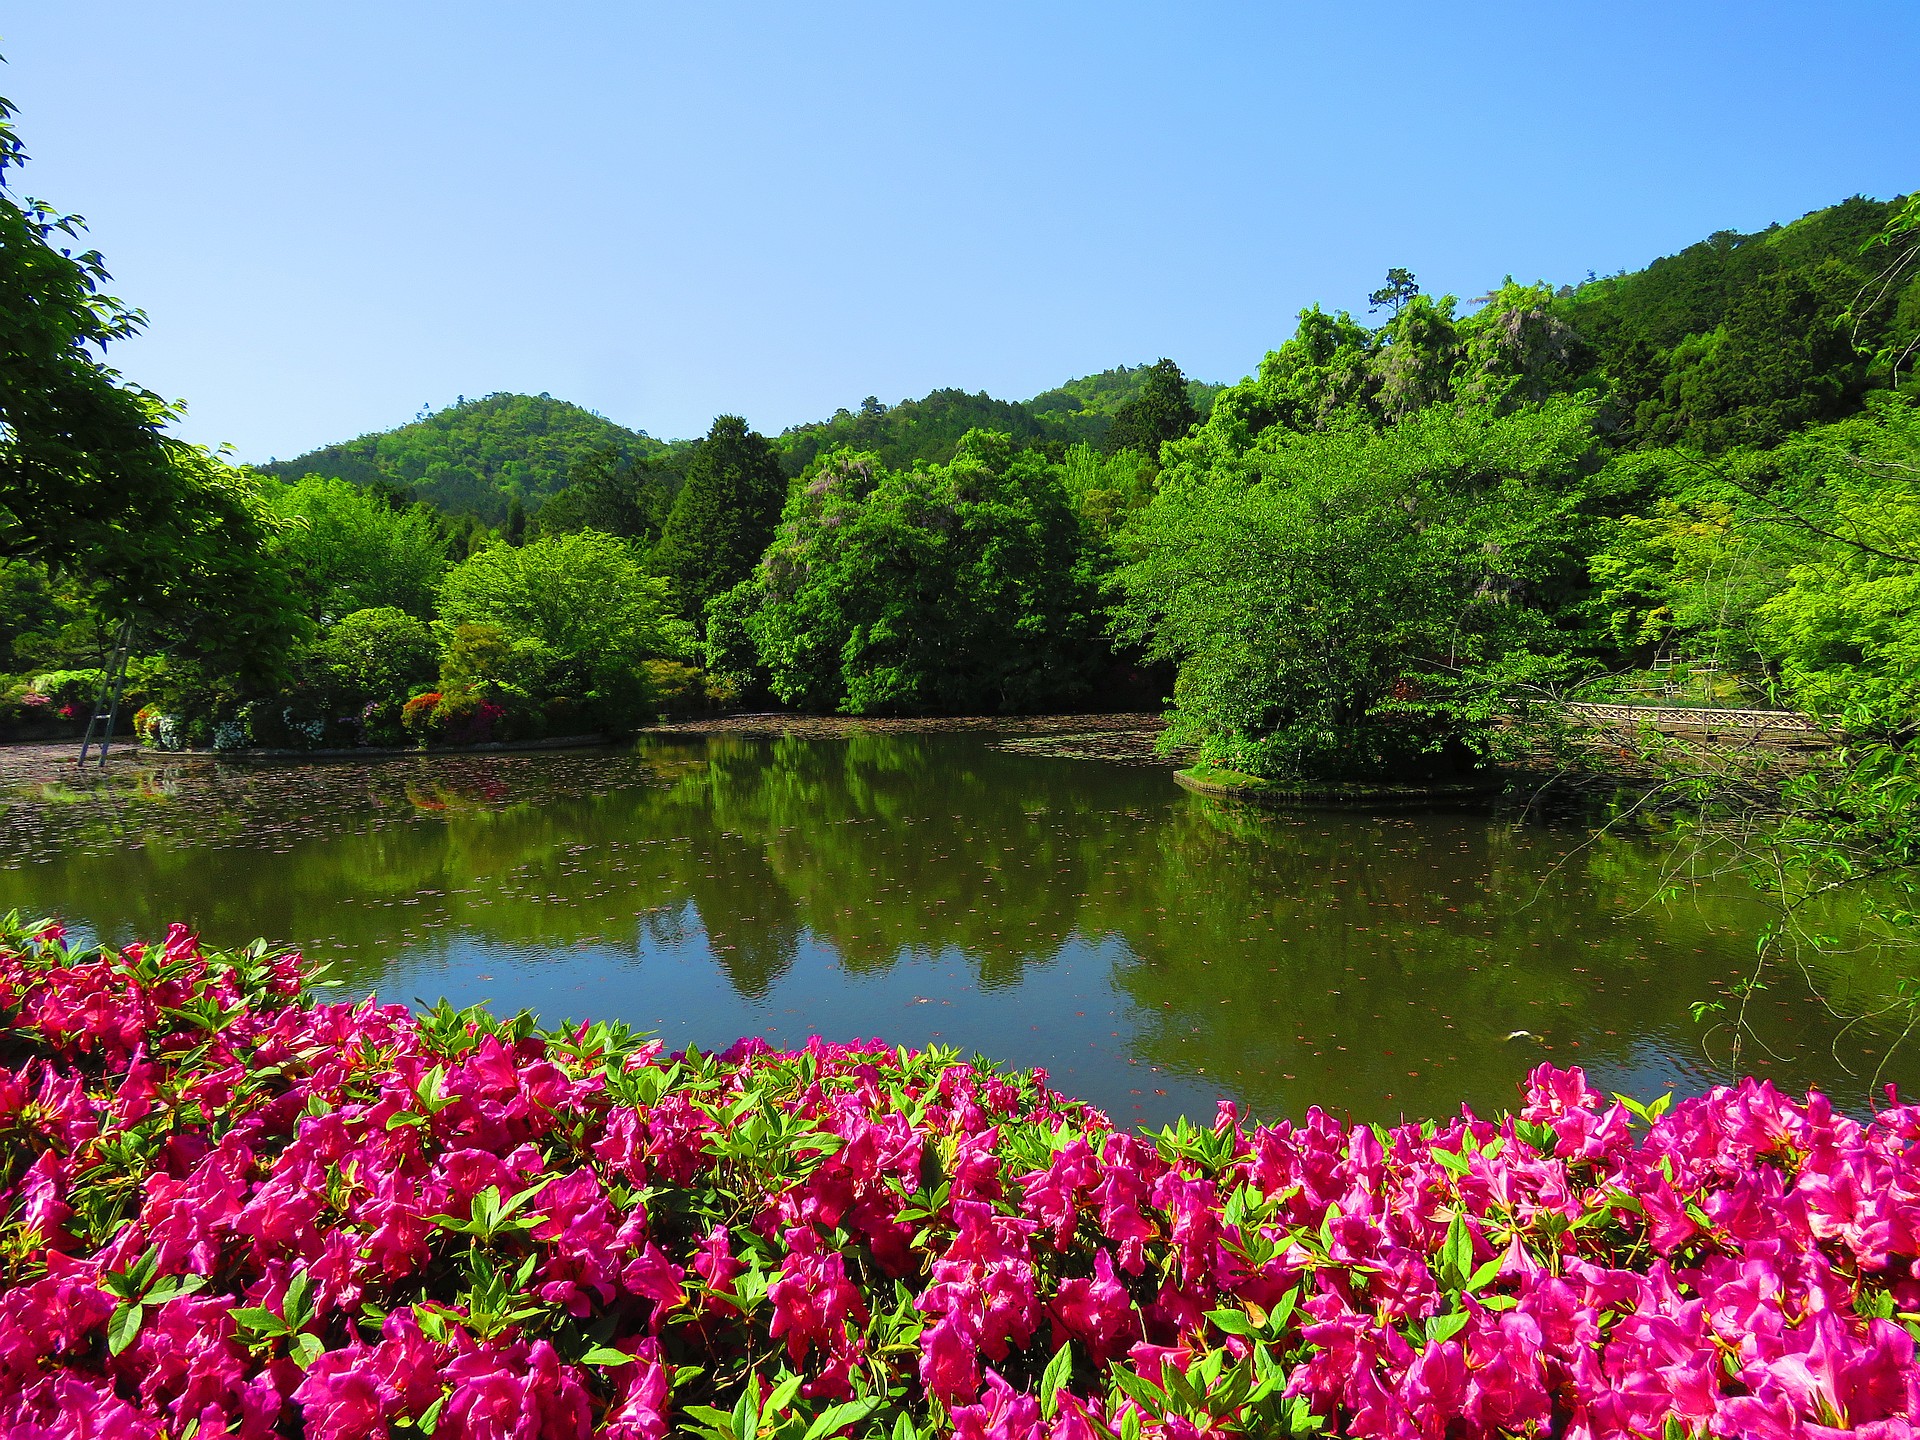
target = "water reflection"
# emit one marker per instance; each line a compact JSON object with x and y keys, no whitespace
{"x":1153,"y":949}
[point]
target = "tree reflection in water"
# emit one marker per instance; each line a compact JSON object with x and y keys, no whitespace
{"x":1154,"y":949}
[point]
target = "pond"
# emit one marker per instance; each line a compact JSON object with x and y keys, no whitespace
{"x":1153,"y":950}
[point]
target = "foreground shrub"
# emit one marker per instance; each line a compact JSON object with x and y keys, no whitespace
{"x":230,"y":1210}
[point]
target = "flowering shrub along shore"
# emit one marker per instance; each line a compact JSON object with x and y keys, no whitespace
{"x":229,"y":1208}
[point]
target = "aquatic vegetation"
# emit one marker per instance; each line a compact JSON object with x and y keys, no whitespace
{"x":227,"y":1205}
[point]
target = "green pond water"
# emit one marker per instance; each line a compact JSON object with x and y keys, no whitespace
{"x":1154,"y":950}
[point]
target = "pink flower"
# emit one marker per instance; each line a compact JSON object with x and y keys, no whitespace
{"x":514,"y":1392}
{"x":812,"y":1297}
{"x":641,"y":1411}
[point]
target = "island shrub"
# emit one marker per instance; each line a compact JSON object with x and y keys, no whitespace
{"x":1355,"y":602}
{"x":416,"y":716}
{"x":380,"y":654}
{"x":943,"y":590}
{"x":234,"y":1210}
{"x":679,"y":689}
{"x":574,"y":615}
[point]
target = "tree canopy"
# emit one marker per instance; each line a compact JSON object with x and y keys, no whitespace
{"x":723,"y":516}
{"x":938,"y":589}
{"x":90,"y":483}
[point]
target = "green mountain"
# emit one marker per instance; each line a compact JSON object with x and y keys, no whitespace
{"x":928,"y":430}
{"x":475,"y":456}
{"x":1105,"y":393}
{"x":1696,"y":290}
{"x":1739,"y":339}
{"x":1743,"y":339}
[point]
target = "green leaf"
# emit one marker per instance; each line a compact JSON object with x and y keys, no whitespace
{"x":1058,"y":1371}
{"x":1456,"y":1252}
{"x":123,"y":1326}
{"x":306,"y":1348}
{"x":601,"y":1355}
{"x":851,"y":1412}
{"x":782,"y":1396}
{"x":1445,"y":1327}
{"x":1232,"y":1322}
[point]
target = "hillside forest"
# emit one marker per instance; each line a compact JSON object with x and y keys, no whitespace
{"x":1417,"y":512}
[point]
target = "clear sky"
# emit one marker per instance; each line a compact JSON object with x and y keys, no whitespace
{"x":336,"y":213}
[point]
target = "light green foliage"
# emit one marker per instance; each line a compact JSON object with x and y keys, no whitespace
{"x":1846,"y":626}
{"x":476,"y":455}
{"x":1105,"y":490}
{"x":934,"y":590}
{"x":579,"y":610}
{"x":352,"y":551}
{"x":1685,"y":575}
{"x":1349,"y":602}
{"x":381,"y":655}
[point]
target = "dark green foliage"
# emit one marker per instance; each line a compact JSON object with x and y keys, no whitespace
{"x":1162,"y":411}
{"x":1741,"y":339}
{"x":1093,"y":396}
{"x":723,"y":516}
{"x":475,"y":456}
{"x":1696,"y":290}
{"x":929,"y":431}
{"x":926,"y":430}
{"x":945,"y":589}
{"x":1394,"y":295}
{"x":380,"y":655}
{"x":1783,"y":359}
{"x":618,"y":493}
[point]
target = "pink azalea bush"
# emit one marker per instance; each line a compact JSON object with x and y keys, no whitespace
{"x":230,"y":1210}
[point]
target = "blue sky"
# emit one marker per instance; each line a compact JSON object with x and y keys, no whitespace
{"x":334,"y":214}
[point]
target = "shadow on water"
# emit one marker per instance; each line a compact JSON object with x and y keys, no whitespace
{"x":1154,"y":950}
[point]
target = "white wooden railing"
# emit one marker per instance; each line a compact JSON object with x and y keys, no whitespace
{"x":1697,"y":717}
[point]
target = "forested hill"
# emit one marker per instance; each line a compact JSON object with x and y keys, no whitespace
{"x":1102,"y":395}
{"x":475,"y":456}
{"x":1739,"y":339}
{"x":927,"y":431}
{"x":1743,"y":339}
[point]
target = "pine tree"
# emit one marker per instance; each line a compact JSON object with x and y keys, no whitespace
{"x":723,"y":516}
{"x":1162,"y":411}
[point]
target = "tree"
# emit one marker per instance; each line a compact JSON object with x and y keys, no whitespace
{"x":380,"y":654}
{"x":1353,"y":603}
{"x":90,"y":483}
{"x":1162,"y":411}
{"x":941,"y":590}
{"x":1399,"y":289}
{"x":723,"y":516}
{"x":514,"y":528}
{"x":616,"y":493}
{"x":349,"y":550}
{"x":582,"y":606}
